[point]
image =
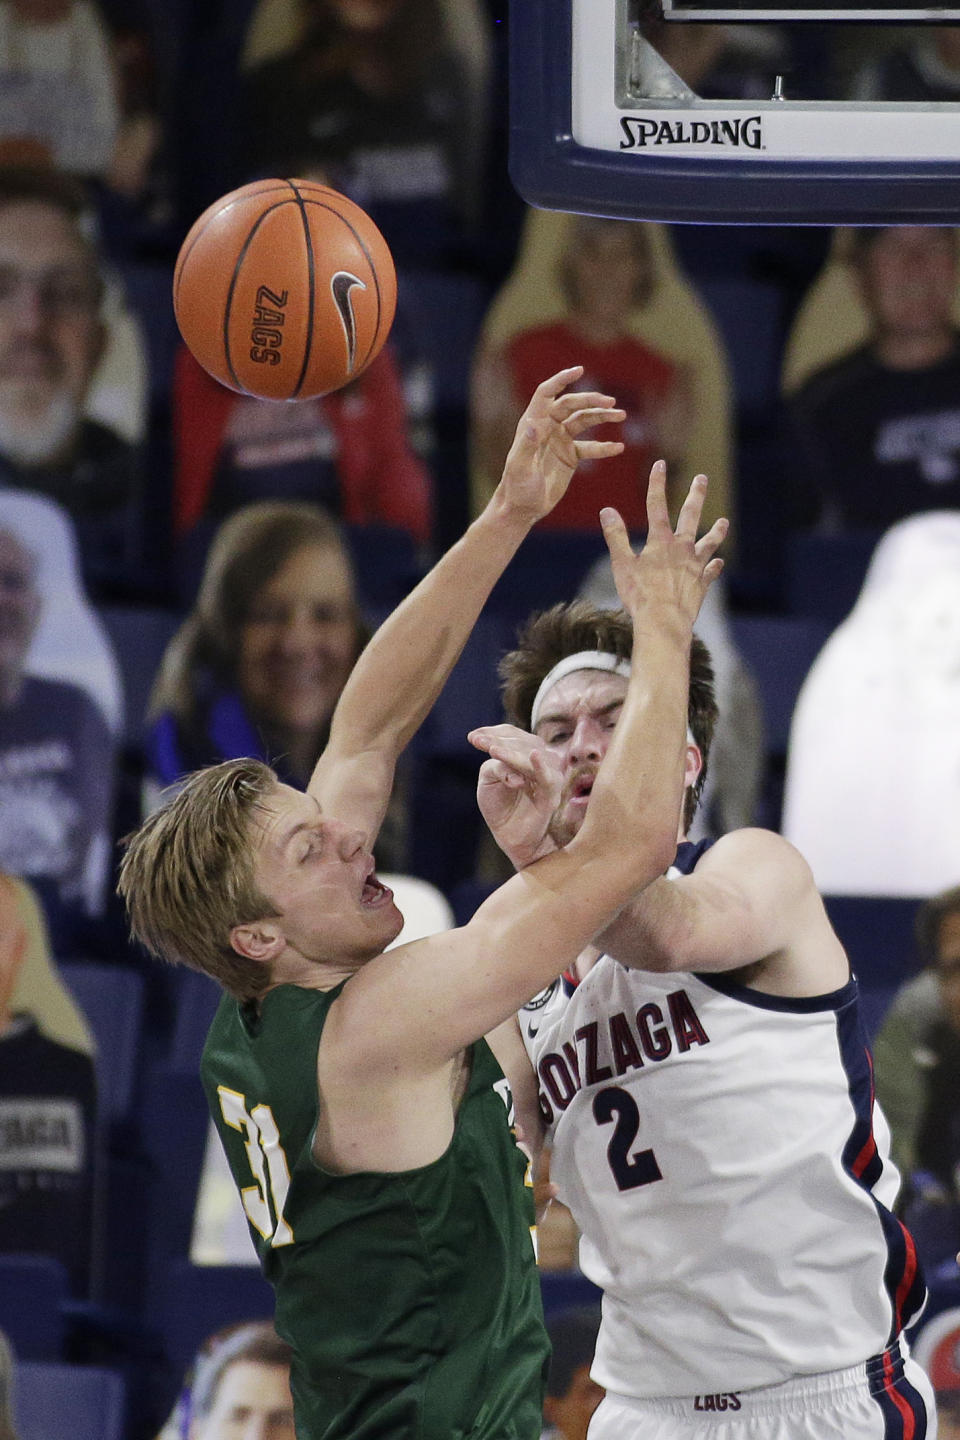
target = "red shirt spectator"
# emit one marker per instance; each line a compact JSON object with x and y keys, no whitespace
{"x":640,"y":379}
{"x":362,"y":452}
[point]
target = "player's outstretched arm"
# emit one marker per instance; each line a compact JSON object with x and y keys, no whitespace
{"x":402,"y":670}
{"x":437,"y":995}
{"x":751,"y":904}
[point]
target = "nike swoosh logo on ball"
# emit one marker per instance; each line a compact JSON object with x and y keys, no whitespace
{"x":342,"y":285}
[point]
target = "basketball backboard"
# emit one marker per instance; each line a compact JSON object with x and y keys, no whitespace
{"x":601,"y":124}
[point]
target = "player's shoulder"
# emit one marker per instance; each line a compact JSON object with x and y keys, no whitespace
{"x":753,"y":847}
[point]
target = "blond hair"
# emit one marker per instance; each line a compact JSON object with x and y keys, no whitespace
{"x":187,"y":875}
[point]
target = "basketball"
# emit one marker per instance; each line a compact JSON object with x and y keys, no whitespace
{"x":284,"y":289}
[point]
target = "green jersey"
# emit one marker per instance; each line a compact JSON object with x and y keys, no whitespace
{"x":411,"y":1300}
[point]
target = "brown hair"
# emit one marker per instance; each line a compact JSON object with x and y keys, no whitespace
{"x":248,"y":550}
{"x":930,"y":916}
{"x":187,"y":874}
{"x":257,"y":1343}
{"x":567,"y":629}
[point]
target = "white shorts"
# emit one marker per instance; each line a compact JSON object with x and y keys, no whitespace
{"x":887,"y":1398}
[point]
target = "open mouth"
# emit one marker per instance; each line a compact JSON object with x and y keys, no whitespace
{"x":582,"y":788}
{"x":374,"y":894}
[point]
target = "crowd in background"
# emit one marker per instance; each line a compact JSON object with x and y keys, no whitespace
{"x":189,"y":574}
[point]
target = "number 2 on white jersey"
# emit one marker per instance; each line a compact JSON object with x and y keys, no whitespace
{"x":629,"y":1169}
{"x":268,"y":1163}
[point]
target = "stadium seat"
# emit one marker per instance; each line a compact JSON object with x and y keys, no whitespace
{"x":471,"y":694}
{"x":140,"y":636}
{"x":877,"y":934}
{"x":467,"y":897}
{"x":173,"y":1124}
{"x":750,"y":317}
{"x":84,"y":1402}
{"x":33,"y":1290}
{"x":549,"y":567}
{"x":112,"y":999}
{"x":825,"y":573}
{"x":444,"y":824}
{"x":779,"y":650}
{"x":196,"y":1001}
{"x":386,"y":565}
{"x":198,"y":1300}
{"x":438,"y":318}
{"x":148,"y":287}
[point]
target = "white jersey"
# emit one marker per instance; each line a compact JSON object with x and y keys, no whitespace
{"x":722,"y":1155}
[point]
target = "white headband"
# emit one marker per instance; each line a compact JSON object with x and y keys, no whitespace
{"x":583,"y":660}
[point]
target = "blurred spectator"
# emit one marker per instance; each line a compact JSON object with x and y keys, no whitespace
{"x":39,"y":989}
{"x":877,"y":431}
{"x":238,"y":1387}
{"x":58,"y":83}
{"x":59,"y":699}
{"x":7,"y":1388}
{"x":348,"y":451}
{"x":731,"y":794}
{"x":681,"y":407}
{"x":948,"y":1414}
{"x":872,"y":794}
{"x":917,"y":1051}
{"x":51,"y":339}
{"x":936,"y":1347}
{"x":606,"y":273}
{"x":377,"y":92}
{"x":571,"y":1396}
{"x":923,"y":66}
{"x":47,"y":1114}
{"x":716,"y":62}
{"x":258,"y":666}
{"x":74,"y":91}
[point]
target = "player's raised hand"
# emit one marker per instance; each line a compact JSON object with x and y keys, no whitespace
{"x":518,"y":790}
{"x":547,"y":447}
{"x":674,"y":568}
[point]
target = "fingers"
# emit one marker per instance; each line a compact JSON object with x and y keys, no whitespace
{"x":494,"y":772}
{"x":548,"y":389}
{"x":512,"y":749}
{"x":692,"y":507}
{"x":615,"y":534}
{"x":565,"y":405}
{"x":658,"y":516}
{"x":482,"y":738}
{"x":597,"y":449}
{"x":713,"y":539}
{"x":581,"y":420}
{"x":484,"y":735}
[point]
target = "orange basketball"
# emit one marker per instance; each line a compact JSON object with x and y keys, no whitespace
{"x":284,"y":289}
